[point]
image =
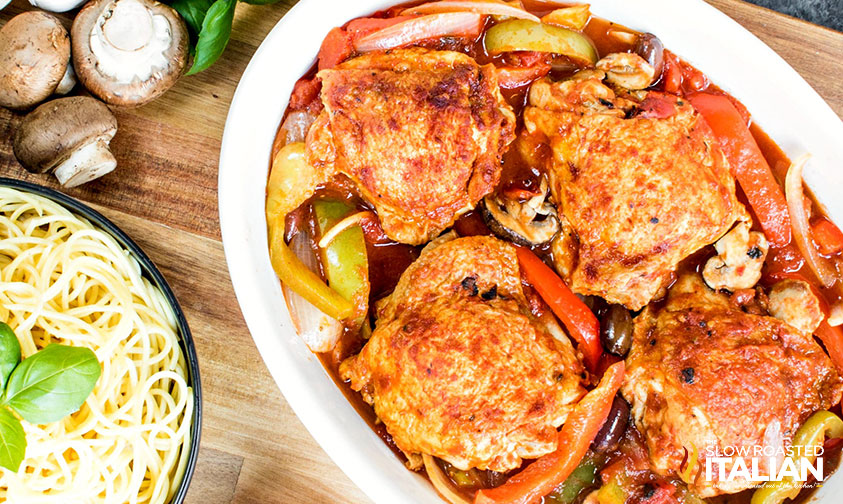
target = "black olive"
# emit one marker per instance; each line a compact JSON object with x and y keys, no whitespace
{"x":610,"y":434}
{"x":616,"y":330}
{"x":651,"y":49}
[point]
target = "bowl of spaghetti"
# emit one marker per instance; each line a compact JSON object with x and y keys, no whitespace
{"x":68,"y":275}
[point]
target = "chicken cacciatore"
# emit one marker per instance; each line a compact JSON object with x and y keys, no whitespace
{"x":550,"y":261}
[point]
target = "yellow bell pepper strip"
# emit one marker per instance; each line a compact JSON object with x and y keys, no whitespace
{"x":344,"y":258}
{"x":575,"y":16}
{"x":291,"y":181}
{"x":574,"y":439}
{"x":307,"y":284}
{"x":577,"y":317}
{"x":525,"y":35}
{"x":747,"y":164}
{"x":812,"y":433}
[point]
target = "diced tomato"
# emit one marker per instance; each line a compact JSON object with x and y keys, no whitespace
{"x":515,"y":77}
{"x":827,"y":236}
{"x":363,"y":26}
{"x":657,"y":106}
{"x":832,"y":338}
{"x":304,"y":93}
{"x":665,"y":493}
{"x":671,"y":73}
{"x":525,"y":58}
{"x":336,"y":48}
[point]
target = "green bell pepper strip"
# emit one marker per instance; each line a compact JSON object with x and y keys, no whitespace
{"x":811,"y":433}
{"x":525,"y":35}
{"x":583,"y":477}
{"x":344,"y":258}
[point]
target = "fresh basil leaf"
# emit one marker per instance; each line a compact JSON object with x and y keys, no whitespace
{"x":52,"y":383}
{"x":9,"y":353}
{"x":216,"y":30}
{"x":193,"y":12}
{"x":12,"y":441}
{"x":260,"y":2}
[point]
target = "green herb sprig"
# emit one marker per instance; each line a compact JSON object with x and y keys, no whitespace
{"x":209,"y":22}
{"x":43,"y":388}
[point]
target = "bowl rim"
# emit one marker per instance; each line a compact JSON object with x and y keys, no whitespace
{"x":152,"y":272}
{"x":695,"y":30}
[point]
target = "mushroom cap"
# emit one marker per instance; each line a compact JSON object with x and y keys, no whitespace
{"x":137,"y":92}
{"x":50,"y":133}
{"x":34,"y":52}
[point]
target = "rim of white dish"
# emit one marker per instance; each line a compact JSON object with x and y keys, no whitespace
{"x":788,"y":109}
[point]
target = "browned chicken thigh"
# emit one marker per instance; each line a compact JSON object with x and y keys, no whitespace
{"x":421,"y":133}
{"x":702,"y":374}
{"x":459,"y":368}
{"x":639,"y":185}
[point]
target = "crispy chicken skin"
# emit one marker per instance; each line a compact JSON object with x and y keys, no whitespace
{"x":641,"y":185}
{"x":702,"y":373}
{"x":459,"y":368}
{"x":420,"y":132}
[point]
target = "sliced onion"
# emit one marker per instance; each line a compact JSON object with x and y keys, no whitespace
{"x":297,"y":124}
{"x":799,"y":221}
{"x":419,"y":29}
{"x":441,"y":482}
{"x":319,"y":331}
{"x":352,"y":220}
{"x":487,"y":7}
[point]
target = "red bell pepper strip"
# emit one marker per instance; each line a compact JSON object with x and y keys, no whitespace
{"x":747,"y":164}
{"x":335,"y":49}
{"x":574,"y":439}
{"x":578,"y":319}
{"x":832,"y":338}
{"x":827,"y":236}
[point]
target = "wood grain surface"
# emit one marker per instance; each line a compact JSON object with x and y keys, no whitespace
{"x":164,"y":194}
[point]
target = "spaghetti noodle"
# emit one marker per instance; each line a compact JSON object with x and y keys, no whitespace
{"x":64,"y":281}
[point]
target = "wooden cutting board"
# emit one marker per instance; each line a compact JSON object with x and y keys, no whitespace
{"x":164,"y":194}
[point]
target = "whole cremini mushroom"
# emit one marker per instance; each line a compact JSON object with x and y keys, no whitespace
{"x":34,"y":60}
{"x":128,"y":52}
{"x":70,"y":136}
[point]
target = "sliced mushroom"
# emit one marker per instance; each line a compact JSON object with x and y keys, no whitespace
{"x":34,"y":57}
{"x":68,"y":135}
{"x":128,"y":52}
{"x":627,"y":70}
{"x":794,"y":302}
{"x":740,"y":256}
{"x":530,"y":222}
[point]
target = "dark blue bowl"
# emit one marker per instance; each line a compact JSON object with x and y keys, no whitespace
{"x":154,"y":276}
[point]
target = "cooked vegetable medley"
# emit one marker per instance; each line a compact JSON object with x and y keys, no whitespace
{"x":551,"y":261}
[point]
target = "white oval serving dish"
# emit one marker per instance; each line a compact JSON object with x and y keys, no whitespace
{"x":788,"y":109}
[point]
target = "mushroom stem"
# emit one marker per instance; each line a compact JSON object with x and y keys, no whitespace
{"x":67,"y":82}
{"x":130,"y":26}
{"x":89,"y":162}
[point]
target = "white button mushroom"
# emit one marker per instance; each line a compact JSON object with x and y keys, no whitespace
{"x":740,"y":256}
{"x":129,"y":52}
{"x":794,"y":302}
{"x":34,"y":60}
{"x":57,"y":5}
{"x":68,"y":135}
